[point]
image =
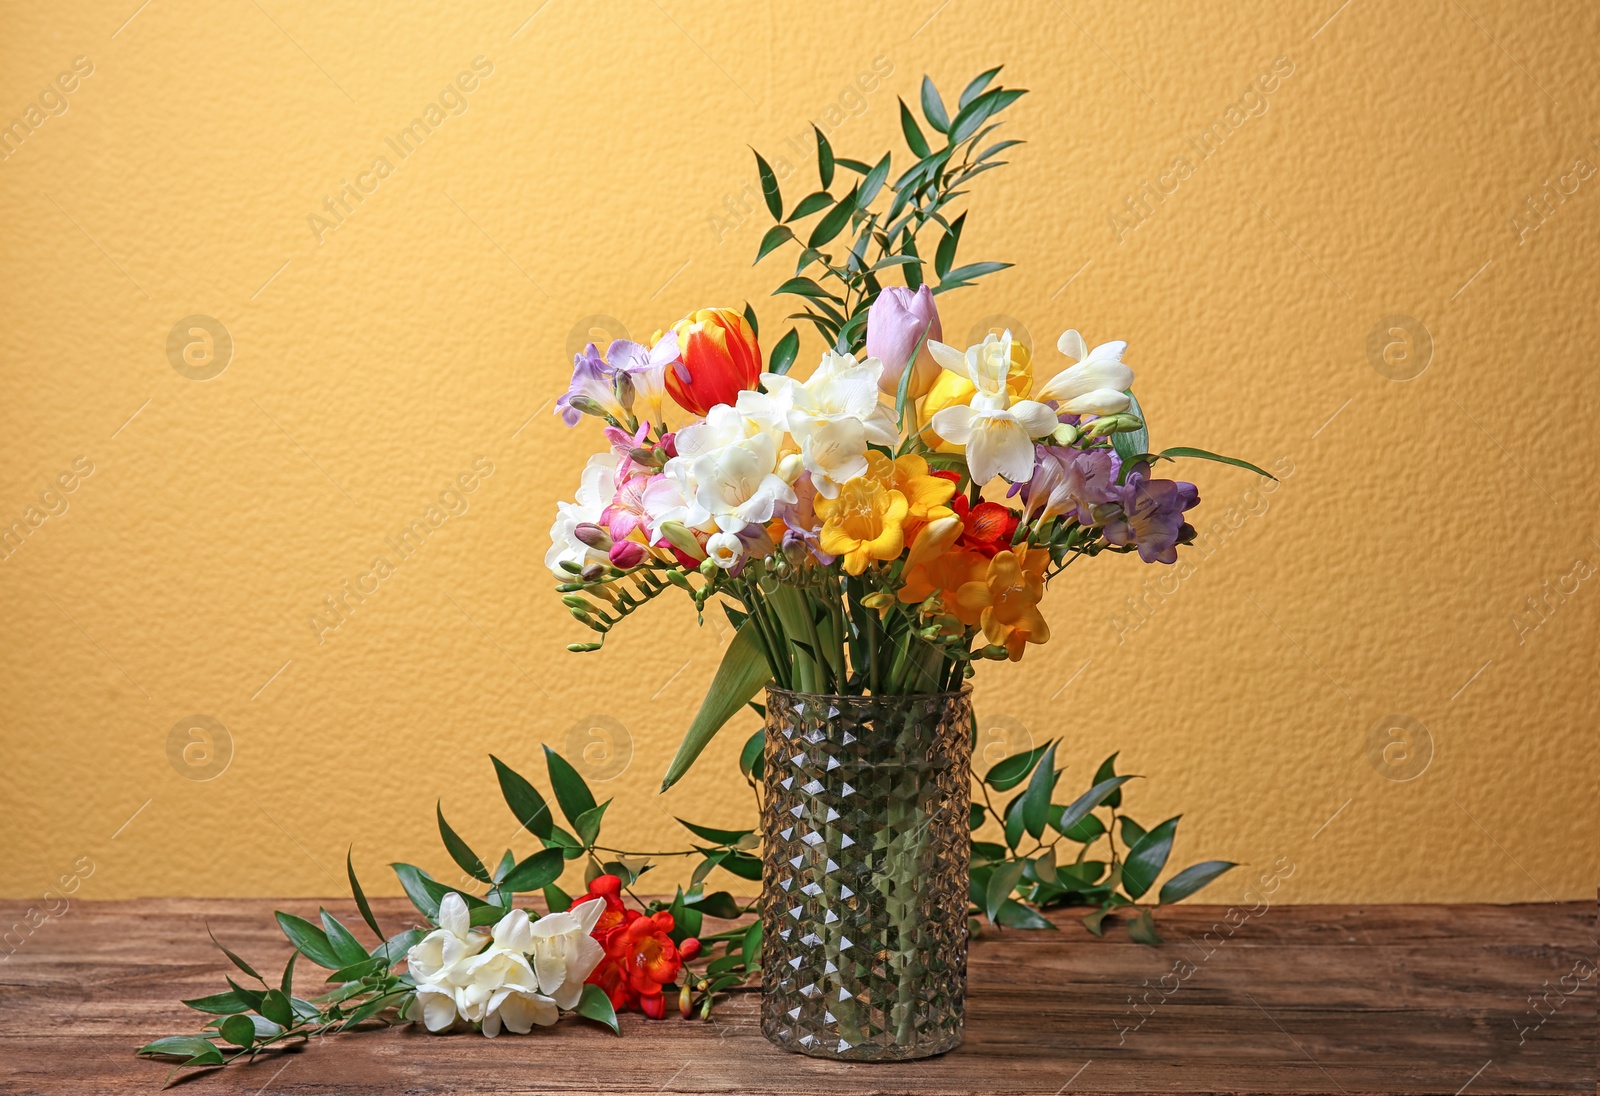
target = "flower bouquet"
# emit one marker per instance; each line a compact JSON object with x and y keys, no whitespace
{"x":872,"y":532}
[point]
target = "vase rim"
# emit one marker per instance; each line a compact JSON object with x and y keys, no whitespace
{"x":965,"y":690}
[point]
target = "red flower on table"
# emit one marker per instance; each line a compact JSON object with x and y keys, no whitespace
{"x":641,"y":958}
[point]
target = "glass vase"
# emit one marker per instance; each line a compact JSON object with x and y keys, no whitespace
{"x":864,"y":885}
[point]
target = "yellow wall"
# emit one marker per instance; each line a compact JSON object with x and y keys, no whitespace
{"x":596,"y":171}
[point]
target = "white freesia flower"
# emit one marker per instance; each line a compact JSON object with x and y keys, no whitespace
{"x":738,"y":486}
{"x":725,"y":550}
{"x":997,"y":432}
{"x":1096,"y":384}
{"x":493,"y":985}
{"x":564,"y":954}
{"x":833,"y":415}
{"x":595,"y":492}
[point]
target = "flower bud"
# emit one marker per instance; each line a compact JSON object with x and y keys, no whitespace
{"x":685,"y":1002}
{"x":790,"y":467}
{"x":623,"y":385}
{"x":593,"y":572}
{"x":587,"y":404}
{"x":595,"y":536}
{"x":1065,"y":434}
{"x":679,"y":536}
{"x":576,"y":603}
{"x":628,"y":554}
{"x":689,"y":948}
{"x":895,"y":322}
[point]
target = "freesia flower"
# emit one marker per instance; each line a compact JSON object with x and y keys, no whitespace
{"x":640,"y":957}
{"x":1096,"y":384}
{"x":996,"y":431}
{"x":448,"y":944}
{"x":932,"y":541}
{"x":564,"y":952}
{"x":801,"y":525}
{"x":737,"y":486}
{"x":833,"y":415}
{"x":895,"y":323}
{"x":596,"y":491}
{"x":646,"y":370}
{"x":866,"y":521}
{"x":1152,"y":515}
{"x":950,"y":389}
{"x":1070,"y":483}
{"x":592,"y":390}
{"x":944,"y":574}
{"x":718,"y":357}
{"x":1007,"y":599}
{"x":926,"y":493}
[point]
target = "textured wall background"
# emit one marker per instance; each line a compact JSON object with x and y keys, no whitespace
{"x":1417,"y":598}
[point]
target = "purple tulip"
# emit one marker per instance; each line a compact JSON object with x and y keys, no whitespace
{"x":895,"y":322}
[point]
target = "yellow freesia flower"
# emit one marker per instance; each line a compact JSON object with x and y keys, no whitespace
{"x":1007,"y":600}
{"x":865,"y":522}
{"x":926,"y":493}
{"x":953,"y":388}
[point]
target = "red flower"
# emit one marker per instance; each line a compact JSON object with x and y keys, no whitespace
{"x":718,"y":357}
{"x":640,"y":956}
{"x":989,"y":525}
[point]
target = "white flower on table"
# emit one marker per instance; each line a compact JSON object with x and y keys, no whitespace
{"x":564,"y":954}
{"x":477,"y":977}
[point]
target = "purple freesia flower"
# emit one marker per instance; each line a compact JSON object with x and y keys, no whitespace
{"x":1152,"y":515}
{"x":646,"y":368}
{"x":592,"y":391}
{"x":1069,"y":483}
{"x":804,"y":528}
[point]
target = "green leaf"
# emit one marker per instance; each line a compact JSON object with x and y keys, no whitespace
{"x":808,"y":205}
{"x":275,"y":1007}
{"x":1131,"y":831}
{"x":1189,"y":451}
{"x":460,"y":852}
{"x":1014,"y":915}
{"x":975,"y":816}
{"x":774,"y":236}
{"x":824,"y":159}
{"x":742,"y":674}
{"x":571,"y":792}
{"x":426,"y":893}
{"x":833,"y":222}
{"x":1147,"y":857}
{"x":964,"y":274}
{"x":1131,"y":443}
{"x":360,"y":895}
{"x":588,"y":823}
{"x":946,"y":253}
{"x":1001,"y":884}
{"x":394,"y":949}
{"x":238,"y":962}
{"x":411,"y":881}
{"x":223,"y":1003}
{"x":595,"y":1005}
{"x":987,"y":852}
{"x":1108,"y":769}
{"x":312,"y":941}
{"x":686,"y":920}
{"x":1013,"y":770}
{"x":357,"y":971}
{"x":805,"y":287}
{"x":1142,"y":929}
{"x":196,"y":1051}
{"x":769,"y":187}
{"x":750,"y":318}
{"x":1087,"y":829}
{"x":974,"y":89}
{"x":1191,"y":879}
{"x":716,"y":836}
{"x":783,"y":354}
{"x":1036,"y":800}
{"x":252,"y":996}
{"x":743,"y":865}
{"x":1094,"y":921}
{"x":537,"y":871}
{"x":970,"y":118}
{"x":873,"y":182}
{"x":750,"y":758}
{"x":525,"y":802}
{"x":933,"y":107}
{"x":914,"y":138}
{"x":913,"y":270}
{"x":1087,"y":802}
{"x":1014,"y":822}
{"x":345,"y":946}
{"x":854,"y":165}
{"x":556,"y":899}
{"x":717,"y":904}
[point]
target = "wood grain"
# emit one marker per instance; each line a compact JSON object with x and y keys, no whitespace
{"x":1301,"y":999}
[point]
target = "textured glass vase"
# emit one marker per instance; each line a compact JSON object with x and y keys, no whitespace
{"x":864,"y":889}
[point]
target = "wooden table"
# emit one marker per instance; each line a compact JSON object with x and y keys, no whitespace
{"x":1306,"y":999}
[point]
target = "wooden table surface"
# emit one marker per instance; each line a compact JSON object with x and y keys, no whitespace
{"x":1302,"y":999}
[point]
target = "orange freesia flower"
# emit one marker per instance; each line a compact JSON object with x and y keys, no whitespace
{"x":945,"y":574}
{"x":718,"y":358}
{"x":926,"y":493}
{"x":1007,"y":600}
